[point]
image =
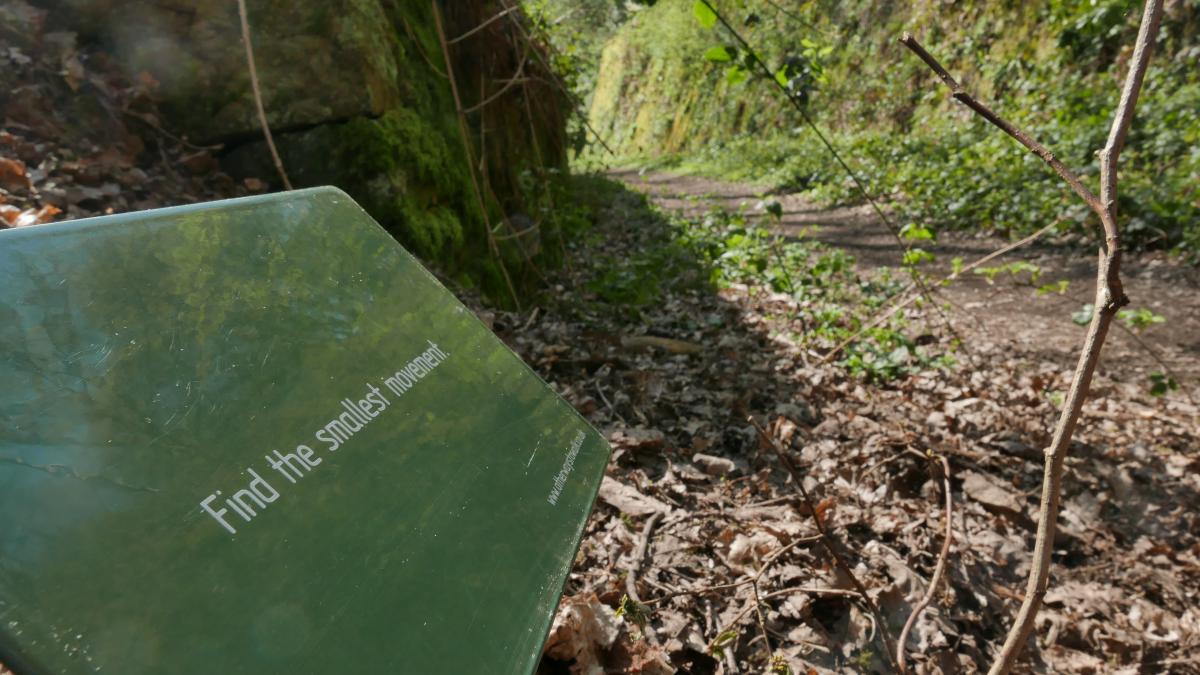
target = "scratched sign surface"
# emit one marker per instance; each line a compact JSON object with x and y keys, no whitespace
{"x":257,"y":436}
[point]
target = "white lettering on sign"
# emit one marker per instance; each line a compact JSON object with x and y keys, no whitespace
{"x":560,"y":479}
{"x":248,"y":502}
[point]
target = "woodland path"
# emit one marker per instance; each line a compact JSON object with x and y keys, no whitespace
{"x":1005,"y":314}
{"x":695,"y":504}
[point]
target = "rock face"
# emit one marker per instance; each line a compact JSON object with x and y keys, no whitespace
{"x":356,"y":96}
{"x":318,"y":61}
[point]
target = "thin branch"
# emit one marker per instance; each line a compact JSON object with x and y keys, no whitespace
{"x":495,"y":17}
{"x":511,"y":82}
{"x":571,"y":96}
{"x":412,"y":35}
{"x":634,"y":568}
{"x":493,"y":248}
{"x":1123,"y":117}
{"x":258,"y":101}
{"x":960,"y":95}
{"x":793,"y":16}
{"x":826,"y":538}
{"x":770,"y":560}
{"x":812,"y":591}
{"x":939,"y":570}
{"x":762,"y":622}
{"x":809,"y":590}
{"x":1109,"y":298}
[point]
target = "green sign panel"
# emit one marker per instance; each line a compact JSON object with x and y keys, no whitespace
{"x":257,"y":436}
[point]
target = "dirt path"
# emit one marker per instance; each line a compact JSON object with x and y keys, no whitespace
{"x":1002,"y":315}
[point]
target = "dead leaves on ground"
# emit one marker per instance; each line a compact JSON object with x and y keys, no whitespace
{"x":80,"y":138}
{"x":1127,"y":580}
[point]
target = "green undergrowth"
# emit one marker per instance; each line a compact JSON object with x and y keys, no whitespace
{"x":671,"y":93}
{"x":674,"y":253}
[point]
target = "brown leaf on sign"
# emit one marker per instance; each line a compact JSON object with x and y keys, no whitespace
{"x":12,"y":175}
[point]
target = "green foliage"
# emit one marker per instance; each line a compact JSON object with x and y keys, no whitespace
{"x":717,"y":646}
{"x":723,"y":248}
{"x":916,"y":256}
{"x":1161,"y":383}
{"x":704,"y":14}
{"x":915,"y":232}
{"x":1140,"y":319}
{"x":636,"y":612}
{"x":1014,"y":270}
{"x":1059,"y":287}
{"x":1134,"y":319}
{"x":1052,"y":68}
{"x":720,"y":54}
{"x":1084,"y":316}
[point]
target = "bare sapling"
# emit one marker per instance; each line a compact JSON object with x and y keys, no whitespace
{"x":1110,"y":297}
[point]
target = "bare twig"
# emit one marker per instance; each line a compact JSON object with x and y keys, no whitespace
{"x":1004,"y":125}
{"x":939,"y":571}
{"x":412,"y":35}
{"x":512,"y":82}
{"x":493,"y":19}
{"x":572,"y":96}
{"x":770,"y":560}
{"x":1110,"y":297}
{"x":793,"y":16}
{"x":807,"y":590}
{"x":258,"y":102}
{"x":493,"y":248}
{"x":635,"y":567}
{"x":762,"y":622}
{"x":827,"y":539}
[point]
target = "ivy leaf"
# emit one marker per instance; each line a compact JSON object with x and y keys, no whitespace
{"x":1140,"y":319}
{"x":719,"y":54}
{"x":774,"y":208}
{"x":914,"y":232}
{"x":1160,"y":384}
{"x":1059,"y":287}
{"x":704,"y":14}
{"x":917,"y":256}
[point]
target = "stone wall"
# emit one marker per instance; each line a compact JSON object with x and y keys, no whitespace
{"x":356,"y":96}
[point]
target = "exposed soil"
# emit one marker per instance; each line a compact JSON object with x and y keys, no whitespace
{"x":997,"y":315}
